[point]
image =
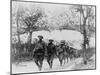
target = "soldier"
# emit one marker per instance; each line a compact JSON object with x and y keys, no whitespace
{"x":39,"y":52}
{"x":50,"y":52}
{"x":61,"y":51}
{"x":66,"y":52}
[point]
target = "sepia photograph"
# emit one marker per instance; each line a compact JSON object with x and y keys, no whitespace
{"x":52,"y":37}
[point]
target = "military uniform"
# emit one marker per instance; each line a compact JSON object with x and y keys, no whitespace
{"x":62,"y":52}
{"x":50,"y":52}
{"x":39,"y":53}
{"x":40,"y":48}
{"x":62,"y":48}
{"x":50,"y":49}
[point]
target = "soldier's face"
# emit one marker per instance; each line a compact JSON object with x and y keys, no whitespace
{"x":62,"y":44}
{"x":40,"y":38}
{"x":50,"y":41}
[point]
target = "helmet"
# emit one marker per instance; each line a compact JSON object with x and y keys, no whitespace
{"x":62,"y":42}
{"x":40,"y":36}
{"x":51,"y":40}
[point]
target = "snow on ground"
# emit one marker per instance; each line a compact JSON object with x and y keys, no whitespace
{"x":90,"y":65}
{"x":28,"y":67}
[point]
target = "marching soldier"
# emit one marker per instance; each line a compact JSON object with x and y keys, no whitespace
{"x":39,"y":52}
{"x":50,"y":52}
{"x":61,"y":51}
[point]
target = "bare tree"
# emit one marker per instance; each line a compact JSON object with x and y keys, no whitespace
{"x":16,"y":17}
{"x":86,"y":12}
{"x":30,"y":21}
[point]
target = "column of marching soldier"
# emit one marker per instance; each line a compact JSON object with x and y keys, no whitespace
{"x":49,"y":51}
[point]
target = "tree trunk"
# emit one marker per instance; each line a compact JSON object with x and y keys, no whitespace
{"x":30,"y":40}
{"x":19,"y":42}
{"x":80,"y":21}
{"x":18,"y":38}
{"x":85,"y":40}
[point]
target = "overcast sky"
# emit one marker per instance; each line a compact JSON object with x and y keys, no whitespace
{"x":50,"y":9}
